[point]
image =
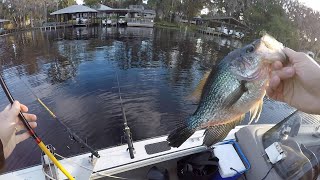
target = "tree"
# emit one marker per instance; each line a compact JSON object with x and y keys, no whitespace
{"x":271,"y":17}
{"x":191,"y":8}
{"x":66,"y":3}
{"x":91,"y":3}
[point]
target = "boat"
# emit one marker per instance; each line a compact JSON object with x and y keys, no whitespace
{"x":108,"y":22}
{"x":122,"y":22}
{"x":289,"y":149}
{"x":81,"y":22}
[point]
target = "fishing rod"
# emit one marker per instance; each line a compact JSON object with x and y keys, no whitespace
{"x":33,"y":133}
{"x":73,"y":135}
{"x":126,"y":130}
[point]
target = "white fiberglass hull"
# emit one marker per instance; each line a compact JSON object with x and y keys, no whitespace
{"x":115,"y":160}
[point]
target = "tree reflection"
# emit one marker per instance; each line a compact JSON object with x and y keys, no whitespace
{"x":61,"y":70}
{"x":60,"y":53}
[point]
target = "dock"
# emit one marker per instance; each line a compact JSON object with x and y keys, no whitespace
{"x":132,"y":22}
{"x":209,"y":30}
{"x":223,"y":26}
{"x":53,"y":26}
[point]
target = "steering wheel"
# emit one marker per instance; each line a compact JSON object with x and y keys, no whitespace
{"x":313,"y":158}
{"x":295,"y":165}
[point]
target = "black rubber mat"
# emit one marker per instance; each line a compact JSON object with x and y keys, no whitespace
{"x":274,"y":111}
{"x":157,"y":147}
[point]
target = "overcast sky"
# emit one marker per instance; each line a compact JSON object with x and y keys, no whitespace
{"x":315,"y":4}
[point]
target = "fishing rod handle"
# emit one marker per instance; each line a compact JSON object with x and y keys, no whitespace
{"x":129,"y":141}
{"x":33,"y":133}
{"x":130,"y":147}
{"x":22,"y":118}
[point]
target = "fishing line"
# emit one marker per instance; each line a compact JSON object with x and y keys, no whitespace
{"x":33,"y":133}
{"x":267,"y":173}
{"x":73,"y":135}
{"x":126,"y":129}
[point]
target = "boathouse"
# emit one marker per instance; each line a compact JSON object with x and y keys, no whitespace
{"x":136,"y":15}
{"x":106,"y":10}
{"x":77,"y":15}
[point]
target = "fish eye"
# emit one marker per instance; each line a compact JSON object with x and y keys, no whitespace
{"x":250,"y":49}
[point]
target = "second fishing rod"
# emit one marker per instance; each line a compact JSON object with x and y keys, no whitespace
{"x":73,"y":135}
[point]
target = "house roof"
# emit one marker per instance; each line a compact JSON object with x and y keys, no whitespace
{"x":102,"y":7}
{"x":149,"y":11}
{"x":74,"y":9}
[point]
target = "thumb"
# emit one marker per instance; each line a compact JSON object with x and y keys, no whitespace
{"x":293,"y":56}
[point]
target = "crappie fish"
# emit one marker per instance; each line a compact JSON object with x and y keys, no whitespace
{"x":235,"y":86}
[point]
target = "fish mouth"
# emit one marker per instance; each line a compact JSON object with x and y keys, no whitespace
{"x":271,"y":50}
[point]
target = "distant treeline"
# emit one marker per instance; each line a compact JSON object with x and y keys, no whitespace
{"x":294,"y":24}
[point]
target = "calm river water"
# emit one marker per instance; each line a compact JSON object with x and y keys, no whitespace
{"x":74,"y":72}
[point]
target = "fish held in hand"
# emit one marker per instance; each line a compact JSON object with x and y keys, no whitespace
{"x":235,"y":86}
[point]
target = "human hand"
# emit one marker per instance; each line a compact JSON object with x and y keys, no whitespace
{"x":297,"y":83}
{"x":11,"y":128}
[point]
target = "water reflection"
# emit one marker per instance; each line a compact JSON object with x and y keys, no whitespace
{"x":73,"y":72}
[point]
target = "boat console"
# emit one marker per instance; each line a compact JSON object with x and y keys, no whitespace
{"x":288,"y":150}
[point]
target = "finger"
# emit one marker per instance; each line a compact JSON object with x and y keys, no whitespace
{"x":15,"y":108}
{"x":23,"y":108}
{"x":277,"y":65}
{"x":21,"y":126}
{"x":291,"y":54}
{"x":274,"y":83}
{"x":22,"y":137}
{"x":270,"y":91}
{"x":285,"y":73}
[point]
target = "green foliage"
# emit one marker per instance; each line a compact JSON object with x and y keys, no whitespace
{"x":66,"y":3}
{"x":271,"y":18}
{"x":177,"y":26}
{"x":91,"y":3}
{"x":153,"y":3}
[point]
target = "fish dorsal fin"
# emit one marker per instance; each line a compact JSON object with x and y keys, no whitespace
{"x":235,"y":95}
{"x":196,"y":94}
{"x":218,"y":132}
{"x":255,"y":111}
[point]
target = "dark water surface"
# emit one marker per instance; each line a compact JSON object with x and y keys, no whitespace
{"x":74,"y":72}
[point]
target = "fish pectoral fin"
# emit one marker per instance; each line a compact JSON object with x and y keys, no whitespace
{"x":255,"y":111}
{"x":234,"y":96}
{"x":217,"y":133}
{"x":196,"y":94}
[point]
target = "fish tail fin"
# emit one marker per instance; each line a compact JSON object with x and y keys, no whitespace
{"x":180,"y":135}
{"x":219,"y":132}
